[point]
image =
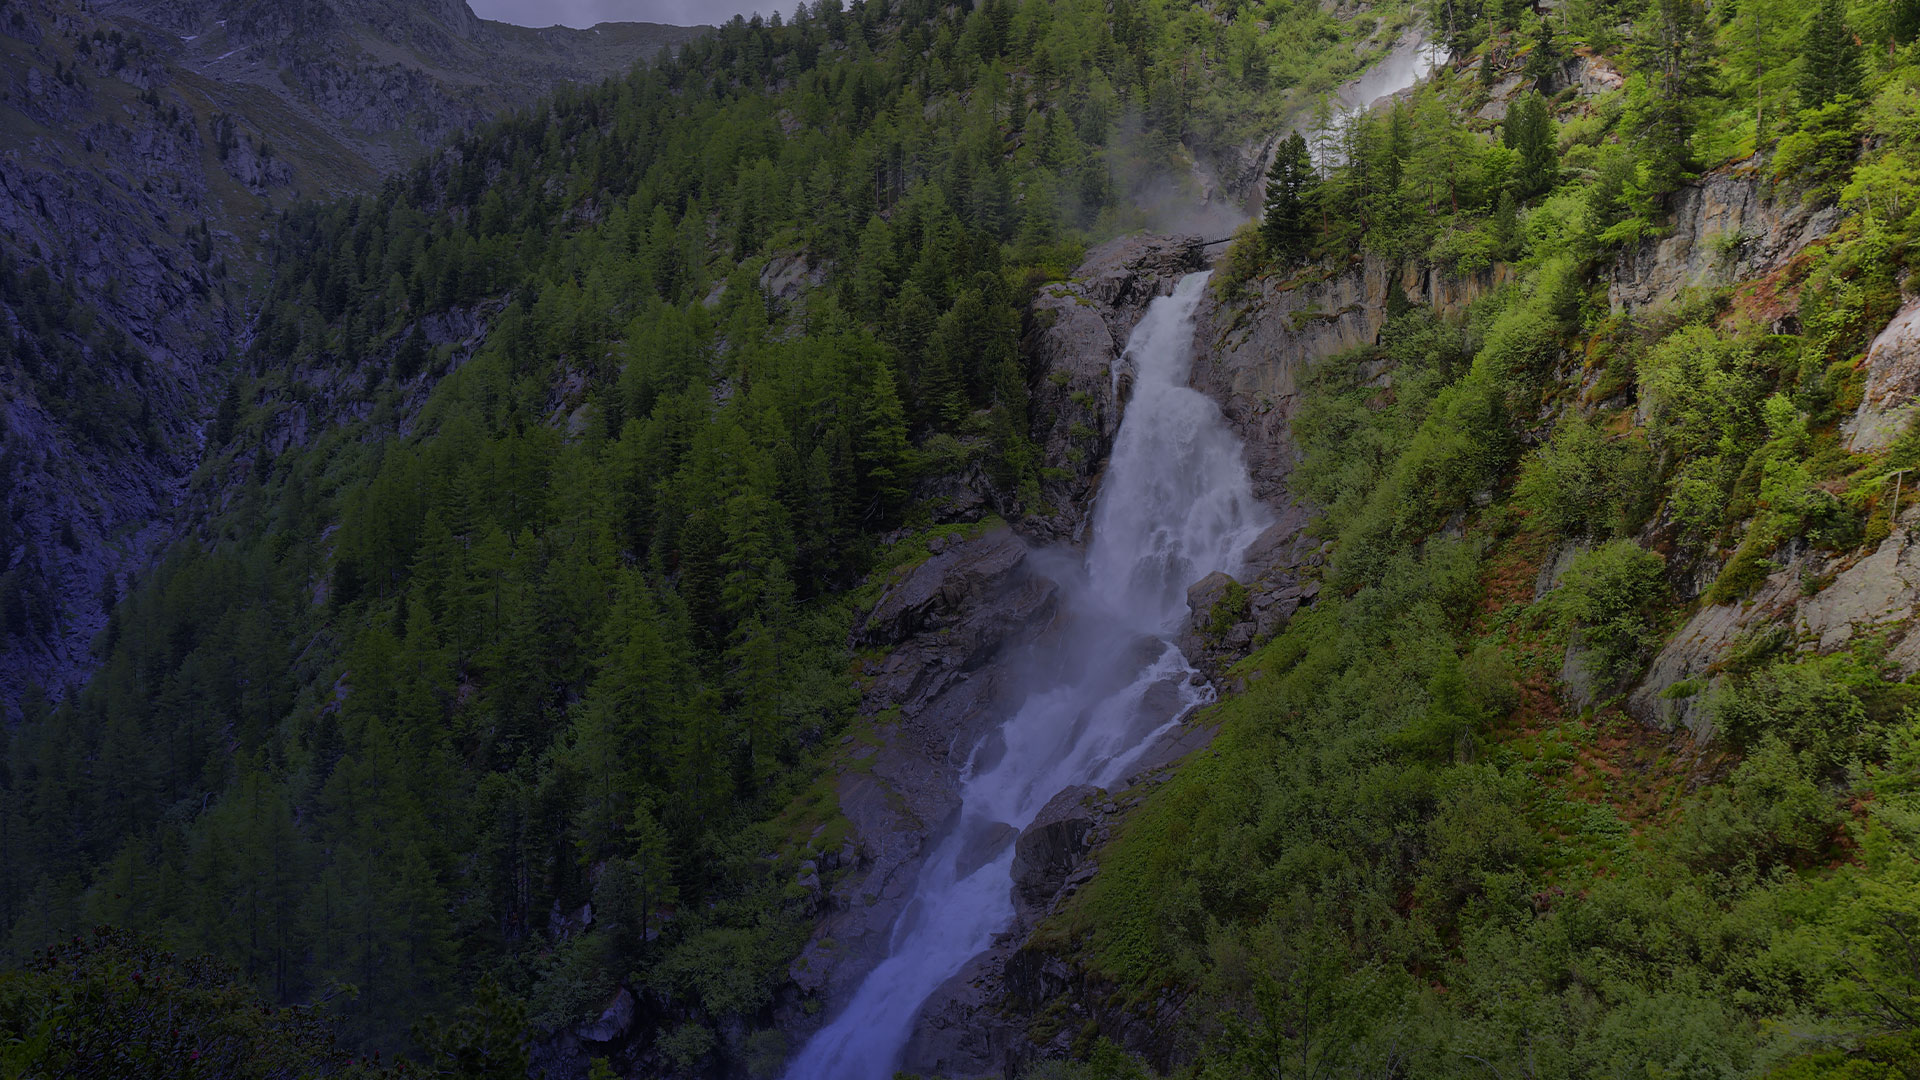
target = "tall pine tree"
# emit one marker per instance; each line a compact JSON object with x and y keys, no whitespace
{"x":1528,"y":132}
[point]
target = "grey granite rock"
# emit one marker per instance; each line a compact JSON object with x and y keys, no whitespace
{"x":1725,"y":227}
{"x":1893,"y":378}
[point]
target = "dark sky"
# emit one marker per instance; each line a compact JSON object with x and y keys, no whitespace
{"x":588,"y":12}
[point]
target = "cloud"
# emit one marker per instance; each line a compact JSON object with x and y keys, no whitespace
{"x":583,"y":13}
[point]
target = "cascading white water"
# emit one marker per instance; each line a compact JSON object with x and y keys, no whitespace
{"x":1176,"y":505}
{"x":1411,"y":59}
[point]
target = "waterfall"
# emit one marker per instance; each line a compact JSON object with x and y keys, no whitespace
{"x":1176,"y":504}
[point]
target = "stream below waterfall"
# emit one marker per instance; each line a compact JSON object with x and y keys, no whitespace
{"x":1176,"y":505}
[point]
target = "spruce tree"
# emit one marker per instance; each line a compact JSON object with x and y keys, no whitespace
{"x":1904,"y":20}
{"x":1675,"y":56}
{"x":1528,"y":132}
{"x":1830,"y":66}
{"x":1545,"y":56}
{"x":1291,"y":183}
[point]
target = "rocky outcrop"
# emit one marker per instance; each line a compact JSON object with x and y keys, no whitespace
{"x":1879,"y":592}
{"x":1812,"y":603}
{"x":1077,"y":332}
{"x":1226,"y":617}
{"x":1728,"y":226}
{"x":1250,"y":352}
{"x":945,"y":623}
{"x":948,"y":617}
{"x":1893,"y":378}
{"x":1054,"y":845}
{"x":614,"y":1021}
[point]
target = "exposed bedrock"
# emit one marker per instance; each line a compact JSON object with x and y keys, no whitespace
{"x":1726,"y":227}
{"x":1855,"y":595}
{"x":1893,"y":378}
{"x":1077,"y":332}
{"x":1249,"y":354}
{"x":947,"y":624}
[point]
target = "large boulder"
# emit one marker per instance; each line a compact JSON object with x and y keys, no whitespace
{"x":951,"y":615}
{"x":1054,"y":845}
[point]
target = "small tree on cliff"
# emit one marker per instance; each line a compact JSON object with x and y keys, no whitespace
{"x":1291,"y":190}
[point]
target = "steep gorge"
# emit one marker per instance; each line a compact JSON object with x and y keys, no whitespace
{"x":149,"y":147}
{"x":1557,"y":719}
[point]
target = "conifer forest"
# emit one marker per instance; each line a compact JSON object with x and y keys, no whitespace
{"x":1044,"y":539}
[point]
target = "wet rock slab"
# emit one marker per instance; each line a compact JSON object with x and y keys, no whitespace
{"x":955,"y":626}
{"x":1079,"y":330}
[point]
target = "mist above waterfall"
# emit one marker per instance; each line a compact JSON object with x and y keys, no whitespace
{"x":1100,"y":689}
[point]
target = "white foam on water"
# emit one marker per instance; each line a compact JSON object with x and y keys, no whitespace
{"x":1176,"y":505}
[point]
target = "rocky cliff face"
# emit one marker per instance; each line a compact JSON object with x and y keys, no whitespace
{"x":1076,"y":339}
{"x":1811,"y":602}
{"x":1893,"y":379}
{"x":1729,"y":226}
{"x":148,"y":144}
{"x":1251,"y":352}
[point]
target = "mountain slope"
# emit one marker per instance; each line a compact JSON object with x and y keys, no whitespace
{"x":612,"y":550}
{"x":141,"y":171}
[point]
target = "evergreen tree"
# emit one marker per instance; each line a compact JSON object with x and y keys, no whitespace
{"x":652,"y":864}
{"x":1904,"y":21}
{"x":1292,"y":190}
{"x":225,"y":418}
{"x":1544,"y":59}
{"x":1674,"y":59}
{"x":1528,"y":132}
{"x":1830,"y":60}
{"x":883,"y":444}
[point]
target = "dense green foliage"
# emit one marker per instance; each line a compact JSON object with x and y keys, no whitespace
{"x":557,"y":613}
{"x":1405,"y":854}
{"x":112,"y":1004}
{"x":527,"y":581}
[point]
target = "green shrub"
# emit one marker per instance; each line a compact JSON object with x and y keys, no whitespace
{"x":1607,"y":598}
{"x":117,"y":1004}
{"x":1247,"y":258}
{"x":1231,"y":608}
{"x":1582,"y":483}
{"x":1817,"y":157}
{"x":1772,"y":811}
{"x":1813,"y":708}
{"x":1743,"y":573}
